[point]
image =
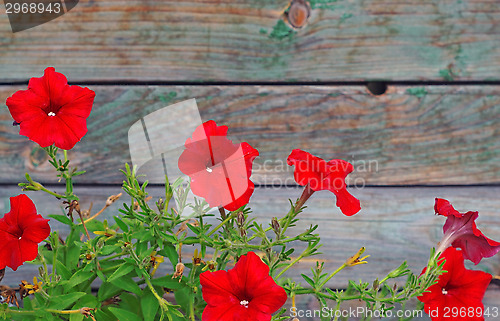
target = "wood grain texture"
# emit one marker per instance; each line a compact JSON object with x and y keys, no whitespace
{"x":206,"y":40}
{"x":395,"y":224}
{"x":410,"y":135}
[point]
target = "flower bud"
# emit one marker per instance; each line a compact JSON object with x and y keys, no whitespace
{"x":240,"y":219}
{"x":276,"y":225}
{"x":400,"y":271}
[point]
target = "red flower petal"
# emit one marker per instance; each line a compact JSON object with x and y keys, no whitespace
{"x":51,"y":111}
{"x":322,"y":175}
{"x":458,"y":289}
{"x":20,"y":232}
{"x":460,"y":231}
{"x":219,"y":170}
{"x":245,"y":292}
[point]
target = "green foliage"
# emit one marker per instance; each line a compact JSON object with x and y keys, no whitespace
{"x":124,"y":255}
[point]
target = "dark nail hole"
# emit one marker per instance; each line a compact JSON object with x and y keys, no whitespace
{"x":377,"y":88}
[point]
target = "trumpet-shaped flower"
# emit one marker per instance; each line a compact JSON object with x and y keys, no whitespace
{"x":52,"y":112}
{"x":458,"y":293}
{"x":245,"y":292}
{"x":20,"y":232}
{"x":460,"y":231}
{"x":318,"y":174}
{"x":219,"y":169}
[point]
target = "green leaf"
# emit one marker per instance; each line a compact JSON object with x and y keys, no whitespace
{"x":124,"y":315}
{"x":76,"y":317}
{"x":61,"y":218}
{"x":27,"y":303}
{"x":63,"y":301}
{"x":104,"y":315}
{"x":72,"y":256}
{"x":127,"y":284}
{"x":121,"y":224}
{"x":121,"y":271}
{"x":106,"y":291}
{"x":182,"y":297}
{"x":167,"y":282}
{"x":170,"y":252}
{"x":100,"y":275}
{"x":79,"y":277}
{"x":131,"y":303}
{"x":308,"y":280}
{"x":149,"y":305}
{"x":62,"y":270}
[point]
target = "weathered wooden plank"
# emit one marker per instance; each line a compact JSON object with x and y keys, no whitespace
{"x":395,"y":224}
{"x":410,"y":135}
{"x":202,"y":40}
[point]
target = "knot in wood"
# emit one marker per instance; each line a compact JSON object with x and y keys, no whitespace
{"x":298,"y":13}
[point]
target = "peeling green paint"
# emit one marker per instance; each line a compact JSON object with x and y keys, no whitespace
{"x":167,"y":98}
{"x":419,"y":92}
{"x":345,"y":16}
{"x":446,"y":74}
{"x":323,"y":4}
{"x":282,"y":31}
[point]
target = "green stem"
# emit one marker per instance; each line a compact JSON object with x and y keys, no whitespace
{"x":333,"y":274}
{"x":220,"y":225}
{"x":297,"y":259}
{"x":192,"y":275}
{"x":337,"y":307}
{"x":112,"y":256}
{"x":67,"y":177}
{"x":63,"y":311}
{"x":52,"y":193}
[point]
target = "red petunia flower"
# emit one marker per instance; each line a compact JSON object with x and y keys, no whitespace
{"x":459,"y":292}
{"x":460,"y":231}
{"x":51,"y":111}
{"x":320,"y":175}
{"x":20,"y":232}
{"x":245,"y":292}
{"x":219,"y":170}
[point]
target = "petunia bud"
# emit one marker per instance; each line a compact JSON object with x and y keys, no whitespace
{"x":399,"y":271}
{"x":376,"y":284}
{"x":276,"y":226}
{"x":160,"y":204}
{"x":240,"y":219}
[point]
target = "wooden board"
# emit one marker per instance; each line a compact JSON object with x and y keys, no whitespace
{"x":410,"y":135}
{"x":395,"y":224}
{"x":245,"y":40}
